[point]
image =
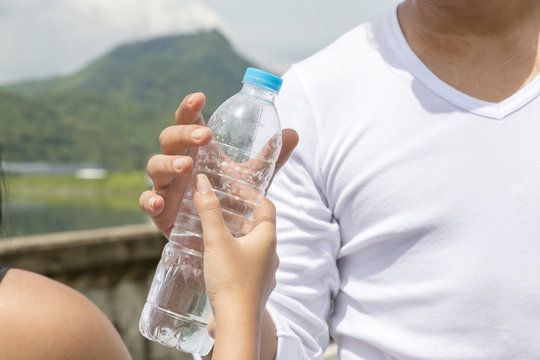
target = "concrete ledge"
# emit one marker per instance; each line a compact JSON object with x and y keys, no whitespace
{"x":57,"y":253}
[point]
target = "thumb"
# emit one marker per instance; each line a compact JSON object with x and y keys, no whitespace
{"x":289,"y":142}
{"x":209,"y":209}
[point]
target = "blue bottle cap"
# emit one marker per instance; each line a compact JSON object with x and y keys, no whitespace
{"x":263,"y":78}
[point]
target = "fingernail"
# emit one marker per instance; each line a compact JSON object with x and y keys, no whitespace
{"x":178,"y":163}
{"x":203,"y":184}
{"x":198,"y":133}
{"x":192,"y":98}
{"x":152,"y":203}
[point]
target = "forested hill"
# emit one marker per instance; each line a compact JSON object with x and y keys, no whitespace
{"x":112,"y":111}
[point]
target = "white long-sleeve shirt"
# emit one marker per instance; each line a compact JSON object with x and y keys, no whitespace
{"x":409,"y":214}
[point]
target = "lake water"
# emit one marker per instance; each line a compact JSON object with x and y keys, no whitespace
{"x":29,"y":219}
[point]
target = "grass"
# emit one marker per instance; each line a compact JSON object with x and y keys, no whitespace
{"x":117,"y":191}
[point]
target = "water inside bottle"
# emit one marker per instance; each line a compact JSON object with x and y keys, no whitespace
{"x":177,"y":307}
{"x":174,"y":330}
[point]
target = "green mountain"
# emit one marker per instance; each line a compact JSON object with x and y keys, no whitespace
{"x":113,"y":110}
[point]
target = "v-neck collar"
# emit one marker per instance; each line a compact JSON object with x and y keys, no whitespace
{"x":496,"y":110}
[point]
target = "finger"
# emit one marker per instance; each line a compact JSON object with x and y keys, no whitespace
{"x":170,"y":181}
{"x":151,"y":203}
{"x":261,"y":235}
{"x":175,"y":140}
{"x":289,"y":141}
{"x":163,"y":214}
{"x":163,"y":169}
{"x":189,"y":111}
{"x":211,"y":325}
{"x":265,"y":224}
{"x":209,"y":209}
{"x":266,"y":212}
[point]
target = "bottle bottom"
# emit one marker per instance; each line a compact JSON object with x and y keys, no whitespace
{"x":175,"y":330}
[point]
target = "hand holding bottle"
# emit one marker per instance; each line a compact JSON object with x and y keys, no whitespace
{"x":239,"y":162}
{"x":239,"y":274}
{"x":171,"y":171}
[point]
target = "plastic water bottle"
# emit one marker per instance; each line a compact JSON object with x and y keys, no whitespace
{"x":239,"y":162}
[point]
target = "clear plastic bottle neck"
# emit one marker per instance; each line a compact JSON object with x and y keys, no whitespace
{"x":259,"y":92}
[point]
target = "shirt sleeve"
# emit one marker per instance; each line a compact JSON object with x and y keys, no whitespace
{"x":308,"y":237}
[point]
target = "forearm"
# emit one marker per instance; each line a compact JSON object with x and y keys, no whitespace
{"x":250,"y":336}
{"x":237,"y":335}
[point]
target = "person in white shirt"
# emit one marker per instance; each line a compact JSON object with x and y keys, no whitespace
{"x":408,"y":215}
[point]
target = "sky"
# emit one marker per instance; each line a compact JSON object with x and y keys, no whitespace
{"x":43,"y":38}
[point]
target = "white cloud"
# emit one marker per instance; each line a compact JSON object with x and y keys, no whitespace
{"x":47,"y":37}
{"x":171,"y":15}
{"x":148,"y":17}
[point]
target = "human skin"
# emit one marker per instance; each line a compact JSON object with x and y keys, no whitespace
{"x":239,"y":274}
{"x":44,"y":319}
{"x":487,"y":49}
{"x":170,"y":173}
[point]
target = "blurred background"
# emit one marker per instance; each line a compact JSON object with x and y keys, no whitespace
{"x":86,"y":87}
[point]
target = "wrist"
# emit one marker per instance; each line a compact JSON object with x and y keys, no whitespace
{"x":237,"y":332}
{"x":237,"y":302}
{"x":238,"y":311}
